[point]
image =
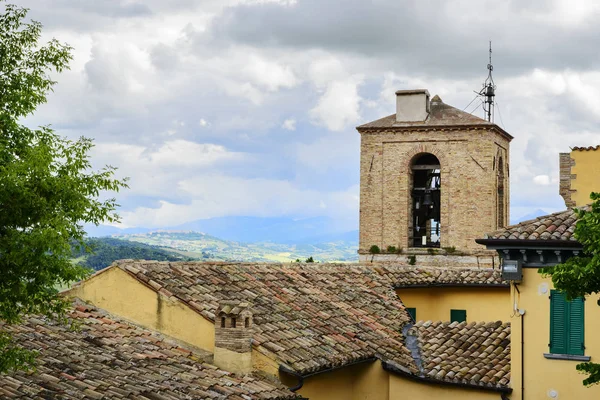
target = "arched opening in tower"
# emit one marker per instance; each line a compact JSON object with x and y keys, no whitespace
{"x":426,"y":195}
{"x":500,"y":195}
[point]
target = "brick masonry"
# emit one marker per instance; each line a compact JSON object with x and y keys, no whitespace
{"x":566,"y":177}
{"x":469,"y":183}
{"x":236,"y":338}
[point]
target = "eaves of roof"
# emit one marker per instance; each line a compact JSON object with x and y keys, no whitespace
{"x":423,"y":379}
{"x":453,"y":285}
{"x":444,"y":127}
{"x":528,"y":243}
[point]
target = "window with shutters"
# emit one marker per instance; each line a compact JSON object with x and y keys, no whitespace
{"x":566,"y":325}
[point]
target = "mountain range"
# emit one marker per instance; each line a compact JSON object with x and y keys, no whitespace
{"x":283,"y":230}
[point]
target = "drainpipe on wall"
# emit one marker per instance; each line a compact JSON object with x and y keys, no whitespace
{"x":522,"y":315}
{"x":522,"y":312}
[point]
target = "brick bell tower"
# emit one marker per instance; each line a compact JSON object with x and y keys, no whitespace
{"x":432,"y":178}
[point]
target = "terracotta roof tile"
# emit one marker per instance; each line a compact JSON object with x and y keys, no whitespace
{"x":588,"y":148}
{"x":441,"y":114}
{"x":412,"y":276}
{"x":556,"y":226}
{"x":469,"y":353}
{"x":307,"y":317}
{"x":110,"y":358}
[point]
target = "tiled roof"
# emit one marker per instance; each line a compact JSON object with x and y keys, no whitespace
{"x":440,"y":114}
{"x":306,"y":317}
{"x":557,"y":226}
{"x":406,"y":277}
{"x":586,"y":148}
{"x":112,"y":359}
{"x":468,"y":353}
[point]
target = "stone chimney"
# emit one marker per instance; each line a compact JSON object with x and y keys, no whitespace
{"x":412,"y":105}
{"x":233,"y":337}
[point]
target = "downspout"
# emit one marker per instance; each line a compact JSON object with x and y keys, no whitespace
{"x":522,"y":314}
{"x":289,"y":371}
{"x":523,"y":356}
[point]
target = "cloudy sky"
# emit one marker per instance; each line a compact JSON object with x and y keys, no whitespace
{"x":248,"y":107}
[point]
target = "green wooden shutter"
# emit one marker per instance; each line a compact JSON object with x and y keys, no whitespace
{"x":576,"y":327}
{"x":458,"y":315}
{"x":558,"y":323}
{"x":412,"y":312}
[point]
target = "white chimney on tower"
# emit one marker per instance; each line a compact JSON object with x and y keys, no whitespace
{"x":412,"y":105}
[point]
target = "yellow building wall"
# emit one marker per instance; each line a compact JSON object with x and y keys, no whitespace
{"x":587,"y":169}
{"x":404,"y":388}
{"x":366,"y":381}
{"x":435,"y":303}
{"x":543,"y":375}
{"x":117,"y":292}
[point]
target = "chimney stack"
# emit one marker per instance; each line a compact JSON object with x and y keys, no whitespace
{"x":233,"y":337}
{"x":412,"y":105}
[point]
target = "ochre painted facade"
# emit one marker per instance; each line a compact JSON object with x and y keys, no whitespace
{"x":469,"y":163}
{"x":543,"y":375}
{"x":579,"y":175}
{"x":356,"y":382}
{"x":401,"y":388}
{"x":119,"y":293}
{"x":435,"y":303}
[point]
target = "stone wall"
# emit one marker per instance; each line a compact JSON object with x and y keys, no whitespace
{"x":235,"y":339}
{"x":565,"y":190}
{"x":469,"y":183}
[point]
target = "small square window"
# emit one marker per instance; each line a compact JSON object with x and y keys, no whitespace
{"x":412,"y":312}
{"x":458,"y":315}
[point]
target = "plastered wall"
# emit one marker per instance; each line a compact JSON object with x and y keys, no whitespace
{"x":481,"y":303}
{"x":543,"y":375}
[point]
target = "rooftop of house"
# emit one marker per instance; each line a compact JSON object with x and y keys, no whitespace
{"x":306,"y":317}
{"x":558,"y":226}
{"x":309,"y":317}
{"x":464,"y":352}
{"x":588,"y":148}
{"x":415,"y":277}
{"x":110,"y":358}
{"x":441,"y":114}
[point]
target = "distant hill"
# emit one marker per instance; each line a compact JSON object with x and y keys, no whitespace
{"x":537,"y":213}
{"x":107,"y":250}
{"x":283,"y":230}
{"x":201,"y":245}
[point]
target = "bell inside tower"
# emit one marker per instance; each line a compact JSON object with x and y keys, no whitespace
{"x":426,"y":201}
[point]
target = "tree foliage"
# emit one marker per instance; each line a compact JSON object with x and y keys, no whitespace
{"x":580,"y":276}
{"x":47,"y":187}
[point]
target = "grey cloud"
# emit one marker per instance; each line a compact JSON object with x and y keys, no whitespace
{"x":164,"y":57}
{"x":433,"y":37}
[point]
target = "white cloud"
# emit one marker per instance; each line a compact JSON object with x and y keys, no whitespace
{"x":155,"y":171}
{"x":271,"y":75}
{"x":136,"y":79}
{"x":338,"y":107}
{"x":289,"y":124}
{"x":220,"y":195}
{"x":543,"y":180}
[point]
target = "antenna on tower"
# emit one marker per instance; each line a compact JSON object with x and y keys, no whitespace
{"x":488,"y":92}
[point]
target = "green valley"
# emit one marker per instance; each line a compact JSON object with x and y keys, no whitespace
{"x":199,"y":245}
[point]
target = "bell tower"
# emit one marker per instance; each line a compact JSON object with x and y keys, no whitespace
{"x":432,"y":178}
